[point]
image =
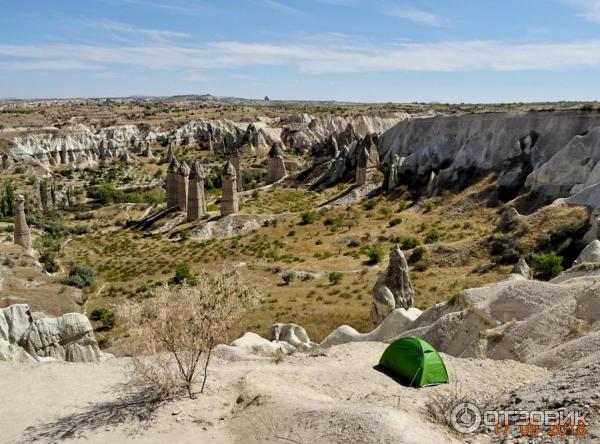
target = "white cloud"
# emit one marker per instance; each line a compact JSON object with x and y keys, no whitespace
{"x":121,"y":29}
{"x":274,"y":4}
{"x":587,"y":9}
{"x":418,"y":16}
{"x":310,"y":58}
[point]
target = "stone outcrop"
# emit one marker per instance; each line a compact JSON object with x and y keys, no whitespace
{"x":521,"y":268}
{"x":552,"y":153}
{"x":172,"y":183}
{"x":508,"y":217}
{"x":394,"y":324}
{"x":182,"y":185}
{"x":229,"y":196}
{"x":69,"y":337}
{"x":361,"y":167}
{"x":393,"y":288}
{"x":235,"y":161}
{"x":276,"y":165}
{"x":22,"y":235}
{"x":292,"y":334}
{"x":591,"y":253}
{"x":196,"y":207}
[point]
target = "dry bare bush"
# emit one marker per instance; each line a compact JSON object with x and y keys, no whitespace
{"x":171,"y":331}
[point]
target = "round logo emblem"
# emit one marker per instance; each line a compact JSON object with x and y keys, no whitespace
{"x":465,"y":417}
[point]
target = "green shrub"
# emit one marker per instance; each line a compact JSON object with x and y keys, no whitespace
{"x":395,"y":222}
{"x":408,"y":243}
{"x":335,"y":277}
{"x":288,"y":277}
{"x":385,"y":211}
{"x":428,"y":206}
{"x":104,"y":315}
{"x":547,"y":266}
{"x":417,"y":254}
{"x":375,"y":255}
{"x":309,"y":217}
{"x":370,"y":204}
{"x":184,"y":275}
{"x":432,"y":236}
{"x":402,"y":205}
{"x":80,"y":276}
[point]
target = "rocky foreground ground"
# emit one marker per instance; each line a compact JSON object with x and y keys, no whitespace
{"x":331,"y":395}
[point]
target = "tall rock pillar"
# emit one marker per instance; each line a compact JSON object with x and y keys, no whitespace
{"x":361,"y":167}
{"x":22,"y":235}
{"x":235,"y":161}
{"x":182,"y":185}
{"x":172,"y":183}
{"x":229,"y":197}
{"x":196,"y":206}
{"x":276,"y":165}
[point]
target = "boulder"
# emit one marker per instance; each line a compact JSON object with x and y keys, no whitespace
{"x":256,"y":344}
{"x":396,"y":323}
{"x":69,"y":337}
{"x":591,"y":253}
{"x":393,"y":288}
{"x":293,"y":335}
{"x":508,"y":216}
{"x":521,"y":268}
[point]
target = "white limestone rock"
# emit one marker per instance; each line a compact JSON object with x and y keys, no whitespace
{"x":396,"y":323}
{"x":591,"y":253}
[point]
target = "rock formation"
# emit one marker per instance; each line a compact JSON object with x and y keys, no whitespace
{"x":537,"y":151}
{"x":293,"y":334}
{"x":22,"y":235}
{"x":521,"y":268}
{"x":235,"y":161}
{"x":361,"y":167}
{"x":395,"y":323}
{"x":182,"y":185}
{"x":393,"y":288}
{"x":229,"y":197}
{"x":172,"y":183}
{"x":508,"y":217}
{"x":276,"y":165}
{"x":170,"y":154}
{"x":591,"y":253}
{"x":196,"y":206}
{"x":66,"y":338}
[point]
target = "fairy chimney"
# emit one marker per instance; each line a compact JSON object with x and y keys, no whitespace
{"x":229,"y":197}
{"x":172,"y":183}
{"x":22,"y":235}
{"x":276,"y":165}
{"x":196,"y":206}
{"x":182,"y":185}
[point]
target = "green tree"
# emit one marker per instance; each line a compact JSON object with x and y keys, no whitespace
{"x":547,"y":266}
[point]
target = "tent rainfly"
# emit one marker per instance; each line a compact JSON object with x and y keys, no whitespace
{"x":416,"y":361}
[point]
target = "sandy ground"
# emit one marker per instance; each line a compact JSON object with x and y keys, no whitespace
{"x":334,"y":396}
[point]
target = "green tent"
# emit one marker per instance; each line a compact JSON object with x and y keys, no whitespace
{"x":415,"y":361}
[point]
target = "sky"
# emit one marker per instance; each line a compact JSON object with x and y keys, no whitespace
{"x":348,"y":50}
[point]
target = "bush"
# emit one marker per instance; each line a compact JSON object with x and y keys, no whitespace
{"x":385,"y":211}
{"x":375,"y":255}
{"x":309,"y":217}
{"x":370,"y":204}
{"x":395,"y":222}
{"x":432,"y":236}
{"x":288,"y":277}
{"x":428,"y":206}
{"x":547,"y":266}
{"x":335,"y":277}
{"x":172,"y":334}
{"x":183,"y":275}
{"x":417,"y":254}
{"x":408,"y":243}
{"x":104,"y":315}
{"x":402,"y":205}
{"x":80,"y":276}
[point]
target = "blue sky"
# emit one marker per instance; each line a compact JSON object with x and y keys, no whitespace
{"x":355,"y":50}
